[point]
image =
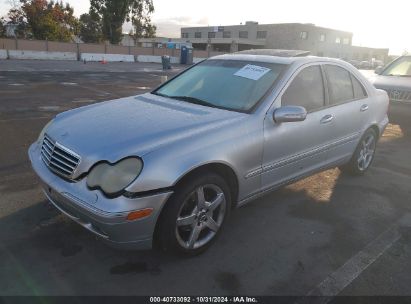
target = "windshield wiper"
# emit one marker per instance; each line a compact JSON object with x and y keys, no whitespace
{"x":159,"y":94}
{"x":194,"y":100}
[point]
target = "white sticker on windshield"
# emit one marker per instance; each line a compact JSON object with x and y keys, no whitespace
{"x":253,"y":72}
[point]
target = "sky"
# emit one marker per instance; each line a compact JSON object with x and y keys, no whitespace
{"x":384,"y":24}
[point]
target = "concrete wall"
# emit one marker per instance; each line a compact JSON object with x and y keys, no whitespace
{"x":3,"y":54}
{"x":118,"y":49}
{"x":41,"y":55}
{"x":7,"y":44}
{"x":61,"y":47}
{"x":107,"y":57}
{"x":156,"y":59}
{"x":91,"y":48}
{"x":49,"y":50}
{"x":141,"y":51}
{"x":40,"y":49}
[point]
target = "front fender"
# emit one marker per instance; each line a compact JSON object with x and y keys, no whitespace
{"x":240,"y":149}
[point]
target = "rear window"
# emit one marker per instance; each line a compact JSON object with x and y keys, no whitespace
{"x":359,"y":90}
{"x":340,"y":87}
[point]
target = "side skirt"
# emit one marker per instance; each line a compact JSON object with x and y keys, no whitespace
{"x":290,"y":181}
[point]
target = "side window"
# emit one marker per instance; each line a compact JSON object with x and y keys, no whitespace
{"x":359,"y":91}
{"x":306,"y":90}
{"x":340,"y":87}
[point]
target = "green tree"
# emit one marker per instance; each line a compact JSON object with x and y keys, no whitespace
{"x":143,"y":28}
{"x":90,"y":29}
{"x":2,"y":28}
{"x":17,"y":18}
{"x":44,"y":19}
{"x":114,"y":13}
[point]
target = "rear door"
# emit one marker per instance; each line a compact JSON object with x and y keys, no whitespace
{"x":348,"y":106}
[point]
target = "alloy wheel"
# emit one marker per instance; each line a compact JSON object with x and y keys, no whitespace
{"x":366,"y":152}
{"x":200,"y":216}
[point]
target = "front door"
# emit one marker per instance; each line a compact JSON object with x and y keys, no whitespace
{"x":292,"y":149}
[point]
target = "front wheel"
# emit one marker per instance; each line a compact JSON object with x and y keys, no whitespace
{"x":194,"y":215}
{"x":363,"y":155}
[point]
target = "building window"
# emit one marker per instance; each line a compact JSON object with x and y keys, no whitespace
{"x":338,"y":40}
{"x":304,"y":35}
{"x":322,"y":37}
{"x":261,"y":34}
{"x":184,"y":35}
{"x":243,"y":34}
{"x":211,"y":34}
{"x":346,"y":41}
{"x":226,"y":34}
{"x":197,"y":35}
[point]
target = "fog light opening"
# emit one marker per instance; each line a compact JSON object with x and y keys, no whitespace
{"x":139,"y":214}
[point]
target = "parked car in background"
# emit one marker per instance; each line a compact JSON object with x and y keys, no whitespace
{"x":377,"y":63}
{"x":395,"y":79}
{"x":355,"y":63}
{"x":167,"y":167}
{"x":365,"y":65}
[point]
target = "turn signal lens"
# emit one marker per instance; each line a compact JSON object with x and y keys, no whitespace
{"x":139,"y":214}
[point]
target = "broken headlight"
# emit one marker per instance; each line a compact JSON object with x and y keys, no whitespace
{"x":114,"y":178}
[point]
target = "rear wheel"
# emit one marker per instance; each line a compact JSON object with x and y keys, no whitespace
{"x":363,"y":155}
{"x":195,"y":214}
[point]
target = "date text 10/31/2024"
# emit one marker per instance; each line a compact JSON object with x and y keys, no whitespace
{"x":203,"y":300}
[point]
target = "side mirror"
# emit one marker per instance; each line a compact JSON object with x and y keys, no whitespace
{"x":289,"y":114}
{"x":379,"y":70}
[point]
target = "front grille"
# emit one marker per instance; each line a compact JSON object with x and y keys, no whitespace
{"x":399,"y":95}
{"x":59,"y":159}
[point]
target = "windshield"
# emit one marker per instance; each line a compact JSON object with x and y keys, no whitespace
{"x":400,"y":67}
{"x":228,"y":84}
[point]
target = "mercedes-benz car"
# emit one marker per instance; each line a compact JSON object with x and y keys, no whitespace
{"x":395,"y":78}
{"x":166,"y":168}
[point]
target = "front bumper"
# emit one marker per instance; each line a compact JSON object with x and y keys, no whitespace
{"x":105,"y":217}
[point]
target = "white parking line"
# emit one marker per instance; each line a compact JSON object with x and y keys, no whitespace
{"x":347,"y":273}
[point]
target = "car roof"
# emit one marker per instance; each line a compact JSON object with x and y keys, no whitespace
{"x":276,"y":52}
{"x":275,"y":59}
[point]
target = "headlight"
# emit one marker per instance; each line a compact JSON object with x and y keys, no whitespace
{"x":113,"y":178}
{"x":40,"y":139}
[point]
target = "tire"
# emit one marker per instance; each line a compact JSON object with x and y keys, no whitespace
{"x":364,"y":154}
{"x":194,"y":215}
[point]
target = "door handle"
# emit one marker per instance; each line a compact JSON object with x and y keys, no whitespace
{"x":364,"y":108}
{"x":327,"y":118}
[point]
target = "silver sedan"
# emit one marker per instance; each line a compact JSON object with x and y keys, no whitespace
{"x":166,"y":168}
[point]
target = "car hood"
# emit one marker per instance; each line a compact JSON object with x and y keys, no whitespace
{"x":134,"y":126}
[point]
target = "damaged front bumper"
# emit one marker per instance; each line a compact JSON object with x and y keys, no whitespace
{"x":105,"y":217}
